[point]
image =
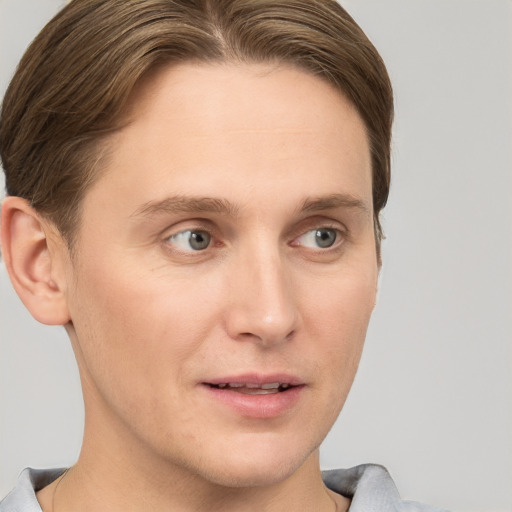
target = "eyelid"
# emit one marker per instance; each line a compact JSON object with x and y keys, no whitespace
{"x":217,"y":238}
{"x":318,"y":222}
{"x":340,"y":236}
{"x":186,"y":237}
{"x":191,"y":225}
{"x":188,"y":225}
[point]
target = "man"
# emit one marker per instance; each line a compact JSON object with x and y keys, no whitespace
{"x":194,"y":192}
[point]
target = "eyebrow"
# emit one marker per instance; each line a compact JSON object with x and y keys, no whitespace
{"x":334,"y":201}
{"x":184,"y":204}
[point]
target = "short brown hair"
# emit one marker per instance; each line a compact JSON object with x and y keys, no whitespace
{"x":74,"y":81}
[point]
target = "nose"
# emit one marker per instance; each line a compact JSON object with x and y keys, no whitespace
{"x":262,"y":306}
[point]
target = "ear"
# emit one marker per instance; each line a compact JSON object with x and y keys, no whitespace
{"x":34,"y":255}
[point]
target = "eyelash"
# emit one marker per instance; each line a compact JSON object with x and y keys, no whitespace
{"x":340,"y":237}
{"x":199,"y":232}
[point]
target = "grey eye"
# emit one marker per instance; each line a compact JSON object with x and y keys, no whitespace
{"x":190,"y":240}
{"x":199,"y":240}
{"x":322,"y":238}
{"x":325,"y":237}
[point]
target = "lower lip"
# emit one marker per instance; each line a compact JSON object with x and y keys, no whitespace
{"x":257,"y":406}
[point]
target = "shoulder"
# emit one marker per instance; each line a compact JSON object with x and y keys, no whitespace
{"x":23,"y":497}
{"x":371,"y":489}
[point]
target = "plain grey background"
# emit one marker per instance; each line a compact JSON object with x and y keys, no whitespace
{"x":433,"y":397}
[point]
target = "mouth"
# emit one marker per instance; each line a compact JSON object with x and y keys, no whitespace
{"x":255,"y":395}
{"x":248,"y":388}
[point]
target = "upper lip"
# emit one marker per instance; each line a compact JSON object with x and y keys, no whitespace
{"x":257,"y":380}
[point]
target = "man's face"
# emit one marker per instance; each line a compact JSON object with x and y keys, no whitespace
{"x":225,"y":273}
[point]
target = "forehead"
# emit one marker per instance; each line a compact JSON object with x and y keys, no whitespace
{"x":194,"y":129}
{"x":245,"y":98}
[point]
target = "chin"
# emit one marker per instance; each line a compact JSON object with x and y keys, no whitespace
{"x":265,"y":468}
{"x":249,"y":476}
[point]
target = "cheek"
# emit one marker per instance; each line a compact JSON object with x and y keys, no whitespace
{"x":133,"y":331}
{"x":142,"y":329}
{"x":341,"y":304}
{"x":338,"y":318}
{"x":335,"y":319}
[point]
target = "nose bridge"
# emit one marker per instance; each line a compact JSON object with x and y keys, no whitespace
{"x":263,"y":305}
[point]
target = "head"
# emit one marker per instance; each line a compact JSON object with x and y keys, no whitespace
{"x":199,"y":185}
{"x":73,"y":84}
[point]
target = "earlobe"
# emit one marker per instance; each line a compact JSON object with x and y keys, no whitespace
{"x":34,"y":265}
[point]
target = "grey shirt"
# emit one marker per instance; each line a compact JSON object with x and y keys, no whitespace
{"x":369,"y":486}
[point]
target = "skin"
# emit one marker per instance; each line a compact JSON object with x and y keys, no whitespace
{"x":151,"y":319}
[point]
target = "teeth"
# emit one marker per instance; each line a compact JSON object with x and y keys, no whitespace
{"x":258,"y":391}
{"x":272,"y":385}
